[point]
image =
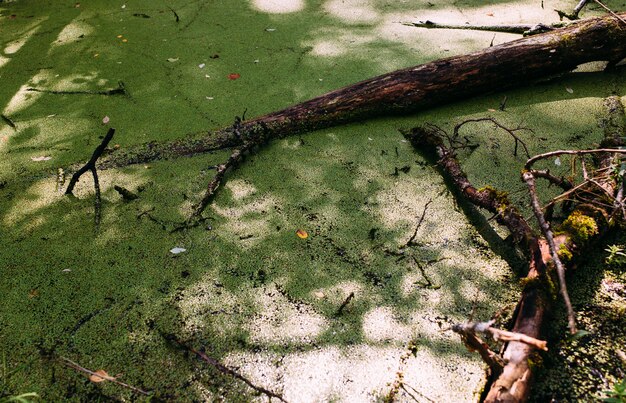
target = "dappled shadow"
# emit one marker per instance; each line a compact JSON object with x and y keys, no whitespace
{"x":248,"y":289}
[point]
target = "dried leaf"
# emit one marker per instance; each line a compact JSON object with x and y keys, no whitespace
{"x":201,"y":65}
{"x":42,"y":158}
{"x":178,"y":250}
{"x":234,"y":76}
{"x":319,"y":294}
{"x":105,"y":120}
{"x":490,"y":14}
{"x":172,"y":59}
{"x":302,"y":234}
{"x":568,"y":89}
{"x":100,"y":376}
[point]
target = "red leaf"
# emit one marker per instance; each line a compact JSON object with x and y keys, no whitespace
{"x":234,"y":76}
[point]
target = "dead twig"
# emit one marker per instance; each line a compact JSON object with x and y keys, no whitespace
{"x":411,"y":240}
{"x":511,"y":132}
{"x":498,"y":334}
{"x":250,"y":139}
{"x":556,"y":153}
{"x":610,"y":11}
{"x":522,"y":29}
{"x":222,"y":368}
{"x":91,"y":166}
{"x":574,"y":15}
{"x":529,"y":178}
{"x":8,"y":121}
{"x":475,"y":343}
{"x":120,"y":90}
{"x":69,"y":363}
{"x":344,"y":304}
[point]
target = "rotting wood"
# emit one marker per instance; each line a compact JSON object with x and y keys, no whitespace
{"x":511,"y":64}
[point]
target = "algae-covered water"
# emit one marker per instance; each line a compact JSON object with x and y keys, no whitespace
{"x":247,"y":290}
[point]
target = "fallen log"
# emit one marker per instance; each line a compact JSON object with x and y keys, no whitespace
{"x":514,"y":63}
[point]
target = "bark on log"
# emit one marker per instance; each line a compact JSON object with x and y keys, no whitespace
{"x":507,"y":65}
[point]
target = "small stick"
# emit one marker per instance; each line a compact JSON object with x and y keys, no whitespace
{"x":538,"y":157}
{"x":223,"y":368}
{"x":475,"y":343}
{"x":419,"y":223}
{"x":8,"y":121}
{"x":610,"y":11}
{"x":77,"y":367}
{"x":506,"y":129}
{"x":498,"y":334}
{"x":547,"y":232}
{"x":91,"y":166}
{"x":120,"y":90}
{"x":345,"y":303}
{"x":175,"y":14}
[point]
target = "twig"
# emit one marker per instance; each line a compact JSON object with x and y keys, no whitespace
{"x":120,"y":90}
{"x":550,"y":154}
{"x":344,"y":304}
{"x":406,"y":385}
{"x":475,"y":343}
{"x":8,"y":121}
{"x":522,"y":29}
{"x":175,"y":14}
{"x":506,"y":129}
{"x":547,"y":233}
{"x":77,"y":367}
{"x":610,"y":11}
{"x":574,"y":15}
{"x":222,"y":368}
{"x":419,"y":223}
{"x":429,"y":284}
{"x":252,"y":138}
{"x":560,"y":182}
{"x":498,"y":334}
{"x":91,"y":166}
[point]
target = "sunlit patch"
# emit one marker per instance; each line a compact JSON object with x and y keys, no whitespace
{"x":207,"y":304}
{"x":39,"y":195}
{"x":77,"y":82}
{"x":240,"y":189}
{"x":379,"y":325}
{"x":338,"y":41}
{"x":16,"y":45}
{"x":21,"y":100}
{"x":363,"y":373}
{"x":352,"y":11}
{"x":358,"y":373}
{"x":72,"y":32}
{"x":248,"y":219}
{"x":338,"y":293}
{"x":278,"y":6}
{"x":280,"y":320}
{"x":4,"y":60}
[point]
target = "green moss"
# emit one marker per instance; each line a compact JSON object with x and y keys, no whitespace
{"x":580,"y":226}
{"x":564,"y":253}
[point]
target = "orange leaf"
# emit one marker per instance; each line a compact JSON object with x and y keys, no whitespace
{"x":100,"y":376}
{"x":490,"y":14}
{"x":302,"y":234}
{"x":234,"y":76}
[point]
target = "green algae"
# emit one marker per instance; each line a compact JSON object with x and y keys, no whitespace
{"x":104,"y":299}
